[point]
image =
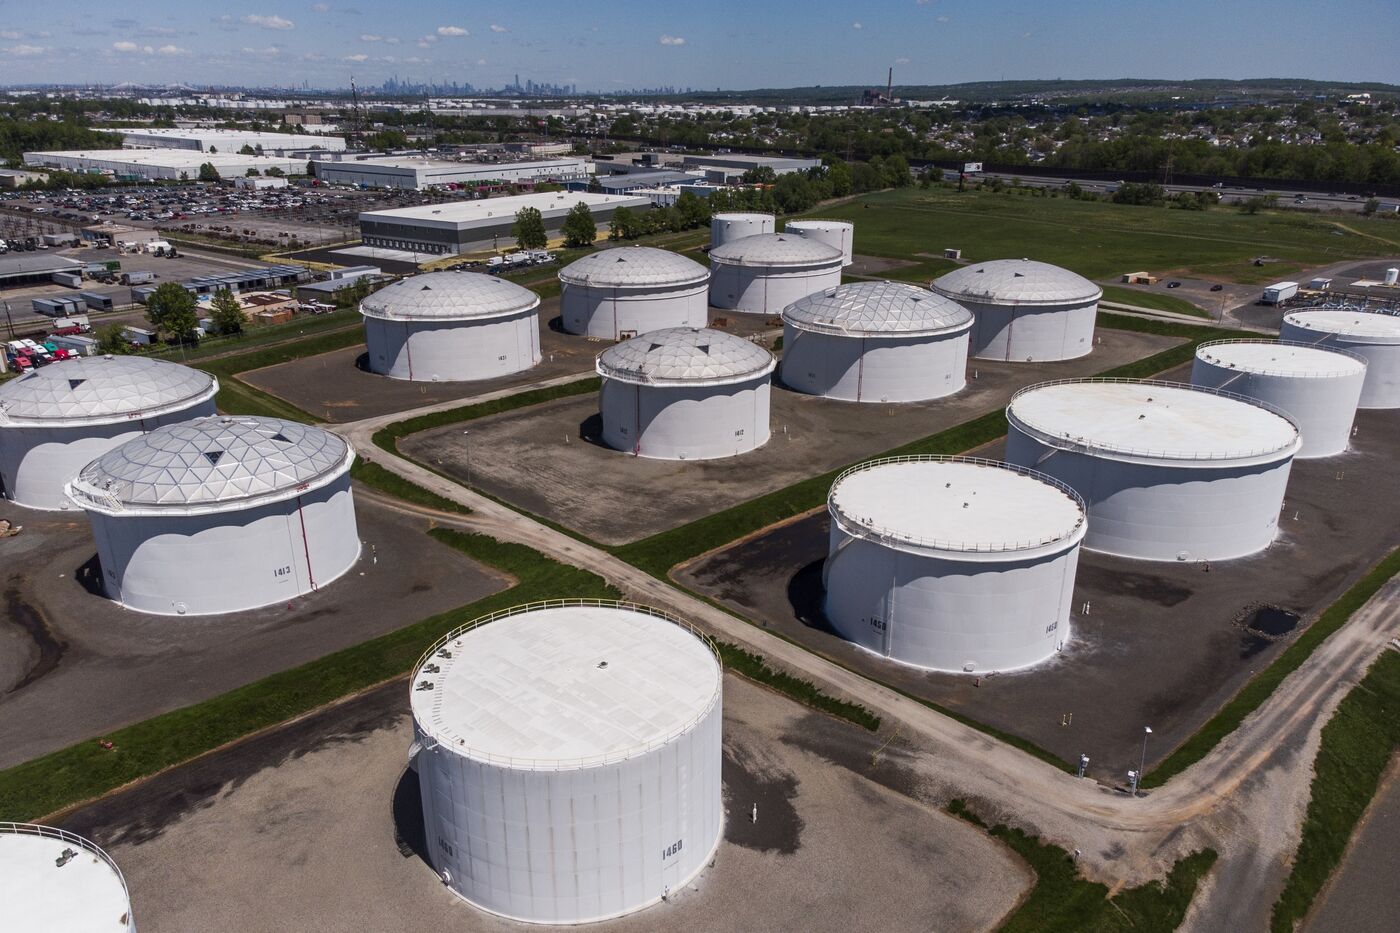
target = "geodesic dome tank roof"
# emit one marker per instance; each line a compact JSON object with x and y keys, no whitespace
{"x":449,"y":296}
{"x":775,"y":249}
{"x":633,"y":267}
{"x":685,"y":356}
{"x":1016,"y":281}
{"x":860,"y":308}
{"x":102,"y":389}
{"x":211,"y":462}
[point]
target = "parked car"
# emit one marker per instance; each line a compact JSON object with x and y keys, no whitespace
{"x":1173,"y":285}
{"x":1217,"y":287}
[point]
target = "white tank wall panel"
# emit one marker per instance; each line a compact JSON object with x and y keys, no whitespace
{"x":1323,"y":406}
{"x":226,"y":561}
{"x":1380,"y":350}
{"x":453,"y":351}
{"x":613,"y":313}
{"x":35,"y":462}
{"x":871,"y":369}
{"x":1165,"y":511}
{"x":733,"y":226}
{"x":575,"y":845}
{"x":677,"y":422}
{"x":768,"y":290}
{"x":1029,"y":333}
{"x":837,"y":233}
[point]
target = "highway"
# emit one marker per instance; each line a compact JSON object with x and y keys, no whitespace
{"x":1230,"y":194}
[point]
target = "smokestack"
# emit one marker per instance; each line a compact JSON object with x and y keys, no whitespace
{"x":889,"y":86}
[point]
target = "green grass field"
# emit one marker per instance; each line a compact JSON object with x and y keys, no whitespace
{"x":1102,"y":240}
{"x":1154,"y":300}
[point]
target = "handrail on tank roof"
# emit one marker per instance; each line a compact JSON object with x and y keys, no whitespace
{"x":53,"y":832}
{"x":1288,"y":343}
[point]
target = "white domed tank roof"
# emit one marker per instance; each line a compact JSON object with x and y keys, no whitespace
{"x":449,"y":296}
{"x":775,"y":249}
{"x":52,"y":881}
{"x":211,"y":463}
{"x":685,"y":356}
{"x":102,"y":390}
{"x":633,"y":267}
{"x":1016,"y":282}
{"x":1371,"y":325}
{"x":877,"y":308}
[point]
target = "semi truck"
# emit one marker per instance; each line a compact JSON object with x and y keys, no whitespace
{"x":1279,"y":292}
{"x":138,"y":278}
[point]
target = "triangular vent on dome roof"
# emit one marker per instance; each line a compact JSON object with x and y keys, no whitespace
{"x":1018,"y":275}
{"x":280,"y":438}
{"x":213,"y":456}
{"x":655,"y":346}
{"x":622,"y":259}
{"x":980,"y":271}
{"x":426,"y":288}
{"x":703,"y":348}
{"x":74,"y":383}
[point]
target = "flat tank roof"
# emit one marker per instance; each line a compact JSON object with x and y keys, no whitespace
{"x":956,"y":504}
{"x":449,"y":296}
{"x":1152,"y":420}
{"x":775,"y":249}
{"x":685,"y":356}
{"x":1016,"y":282}
{"x":565,"y":685}
{"x":633,"y":267}
{"x":38,"y":895}
{"x":877,"y":308}
{"x":211,"y":463}
{"x":1370,"y":324}
{"x":1281,"y":358}
{"x":741,"y":215}
{"x":101,"y":390}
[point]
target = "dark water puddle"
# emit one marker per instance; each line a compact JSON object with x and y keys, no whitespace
{"x":778,"y":827}
{"x":1271,"y":621}
{"x":51,"y":649}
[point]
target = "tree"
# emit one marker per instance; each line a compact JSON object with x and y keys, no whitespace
{"x":207,"y":172}
{"x":529,"y":229}
{"x":172,"y":309}
{"x":228,"y":317}
{"x":310,"y":169}
{"x":624,"y":225}
{"x":759,"y":175}
{"x":275,"y":172}
{"x":111,"y":340}
{"x":839,"y":176}
{"x":692,"y":210}
{"x":1146,"y":193}
{"x":213,"y":150}
{"x":580,"y":229}
{"x":251,"y":173}
{"x":1371,"y":206}
{"x":247,"y":150}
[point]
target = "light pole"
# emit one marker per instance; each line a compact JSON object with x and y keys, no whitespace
{"x":467,"y":454}
{"x":1142,"y":765}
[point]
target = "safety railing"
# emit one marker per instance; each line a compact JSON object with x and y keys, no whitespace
{"x":52,"y":832}
{"x":1271,"y":371}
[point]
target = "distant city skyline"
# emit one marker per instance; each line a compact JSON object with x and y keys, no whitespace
{"x":723,"y":44}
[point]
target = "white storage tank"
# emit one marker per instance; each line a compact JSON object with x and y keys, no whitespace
{"x":837,"y":233}
{"x":568,"y":755}
{"x":876,"y":342}
{"x":451,"y":327}
{"x":221,"y":514}
{"x":52,"y":880}
{"x":766,"y":273}
{"x":1167,"y":471}
{"x":1392,"y":276}
{"x":685,"y":393}
{"x":738,"y":224}
{"x":56,"y":419}
{"x":952,"y":564}
{"x":1369,"y":334}
{"x":1316,"y":386}
{"x":619,"y":293}
{"x":1026,"y":311}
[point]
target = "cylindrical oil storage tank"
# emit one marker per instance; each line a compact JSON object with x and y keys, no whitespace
{"x":1026,"y":311}
{"x":1368,"y":334}
{"x":685,"y":393}
{"x":837,"y":233}
{"x":619,"y":293}
{"x":952,"y":564}
{"x":1167,"y":471}
{"x":1392,"y":276}
{"x":875,"y":342}
{"x":55,"y":420}
{"x":451,"y":327}
{"x":738,"y":224}
{"x":221,"y":514}
{"x":52,"y":880}
{"x":766,"y":273}
{"x":568,"y":756}
{"x":1317,"y":387}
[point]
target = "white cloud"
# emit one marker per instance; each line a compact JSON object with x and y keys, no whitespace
{"x":172,"y":50}
{"x":126,"y":46}
{"x":945,"y":19}
{"x":320,"y":7}
{"x":362,"y":57}
{"x":371,"y":37}
{"x":158,"y":31}
{"x":495,"y":28}
{"x":268,"y":51}
{"x":11,"y":34}
{"x":268,"y":22}
{"x":901,"y":61}
{"x":673,"y":40}
{"x":427,"y":42}
{"x":481,"y":62}
{"x":857,"y":26}
{"x":392,"y":40}
{"x":20,"y":51}
{"x":452,"y":32}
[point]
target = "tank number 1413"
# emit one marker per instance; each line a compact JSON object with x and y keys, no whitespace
{"x":282,"y":572}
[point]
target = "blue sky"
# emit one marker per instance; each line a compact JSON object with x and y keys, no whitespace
{"x":707,"y":44}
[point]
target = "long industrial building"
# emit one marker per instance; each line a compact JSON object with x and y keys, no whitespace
{"x":418,"y":174}
{"x":206,"y":140}
{"x":160,"y":164}
{"x":468,"y":226}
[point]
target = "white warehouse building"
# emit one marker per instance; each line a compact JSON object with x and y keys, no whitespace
{"x":1368,"y":334}
{"x":763,"y":274}
{"x":162,"y":164}
{"x":952,"y":564}
{"x":1025,"y":311}
{"x":52,"y":880}
{"x":221,"y":514}
{"x":1318,"y":387}
{"x":619,"y":293}
{"x":875,"y":342}
{"x":837,"y":233}
{"x":58,"y":418}
{"x":568,"y":756}
{"x":685,"y":394}
{"x":228,"y":141}
{"x":1167,"y":471}
{"x":417,"y":174}
{"x":451,"y":327}
{"x":736,"y":225}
